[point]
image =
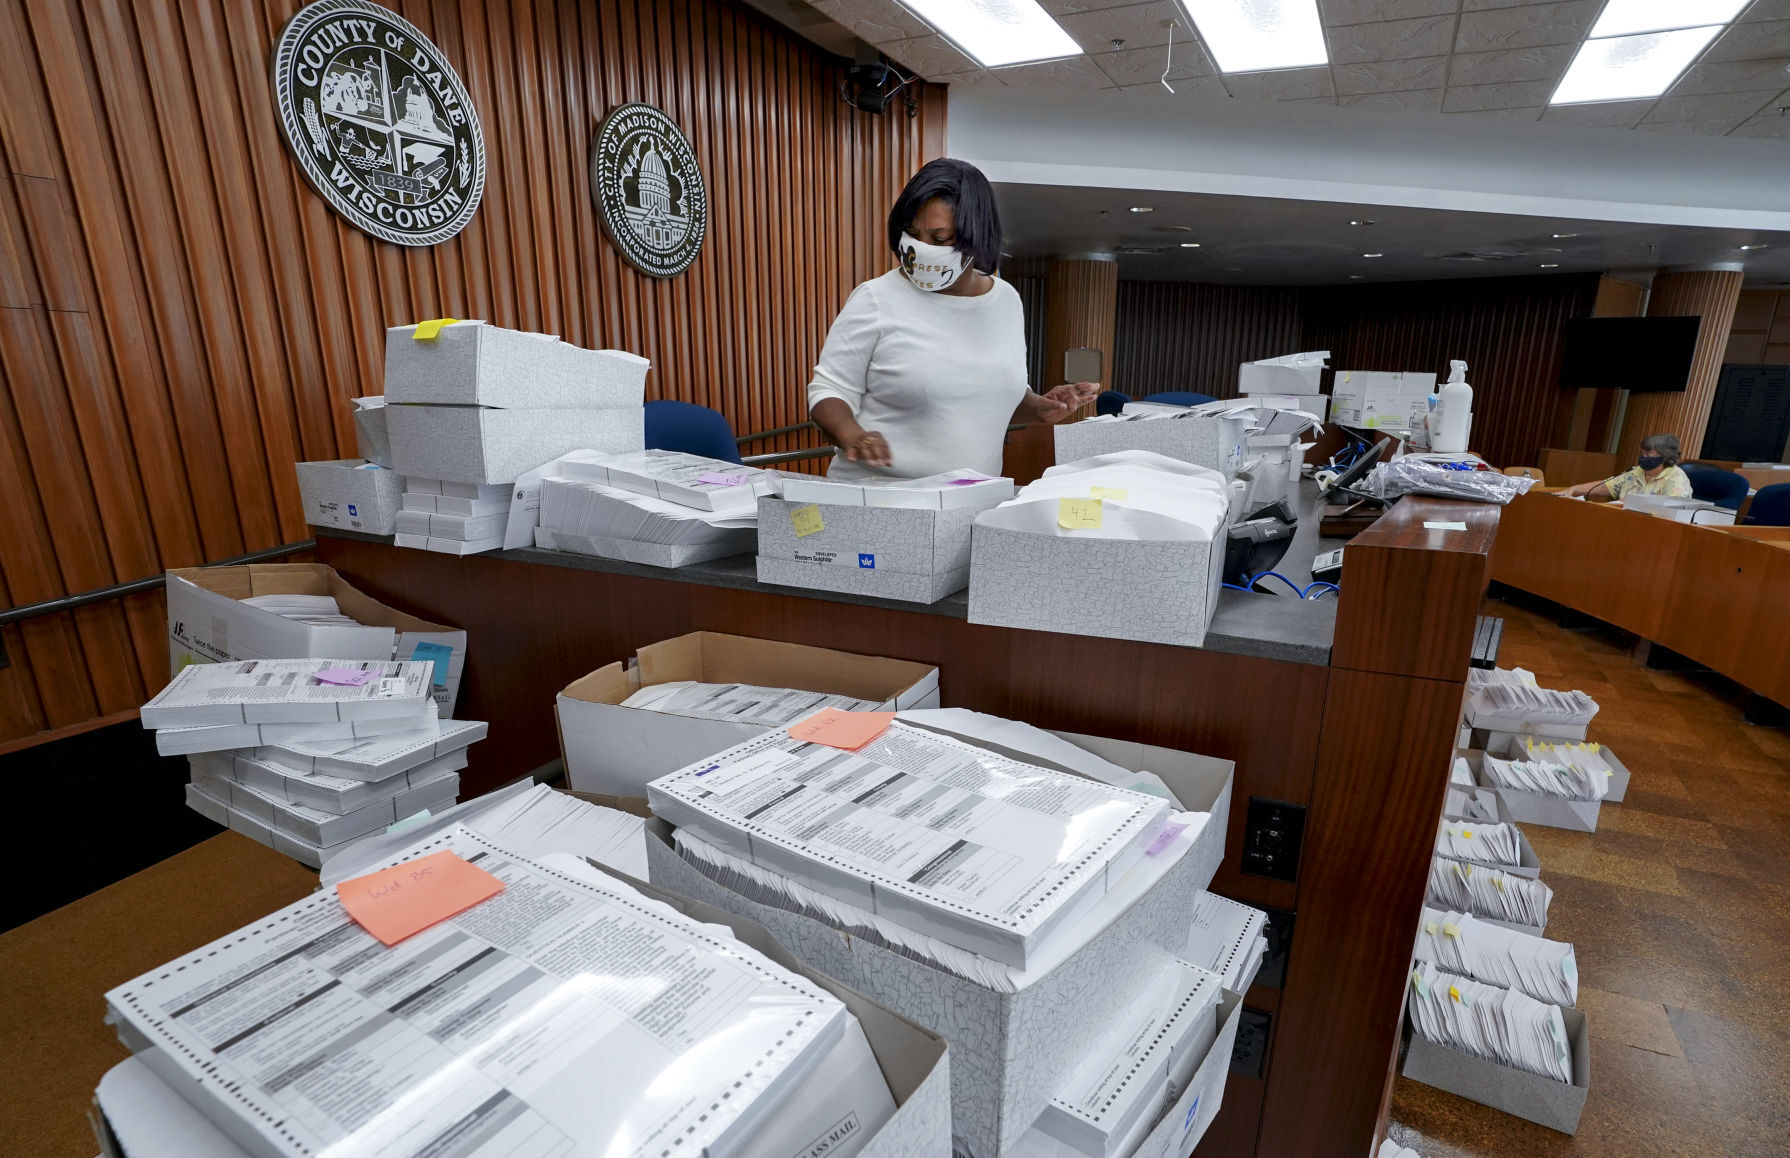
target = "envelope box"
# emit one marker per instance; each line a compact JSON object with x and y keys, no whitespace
{"x":1011,"y":1051}
{"x":370,"y":435}
{"x":474,"y":364}
{"x":1042,"y":582}
{"x":479,"y":444}
{"x":1528,"y":864}
{"x":1541,"y":808}
{"x":917,"y":556}
{"x":1532,"y":1097}
{"x":614,"y":750}
{"x":1253,"y":378}
{"x":351,"y":493}
{"x":1216,"y":441}
{"x":1508,"y":746}
{"x":208,"y":623}
{"x":1385,"y":389}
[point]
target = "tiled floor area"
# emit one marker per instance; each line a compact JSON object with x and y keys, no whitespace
{"x":1679,"y":906}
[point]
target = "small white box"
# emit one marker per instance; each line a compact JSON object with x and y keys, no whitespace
{"x":917,"y":556}
{"x":350,"y":493}
{"x":477,"y":444}
{"x":615,"y":751}
{"x":1532,"y":1097}
{"x":422,"y":486}
{"x":370,"y":436}
{"x":1378,"y":398}
{"x":464,"y":546}
{"x":1269,"y":378}
{"x":419,"y":503}
{"x":414,"y":524}
{"x":468,"y":527}
{"x":474,"y":364}
{"x":1213,"y":436}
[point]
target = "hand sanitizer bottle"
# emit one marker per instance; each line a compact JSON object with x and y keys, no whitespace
{"x":1453,"y":420}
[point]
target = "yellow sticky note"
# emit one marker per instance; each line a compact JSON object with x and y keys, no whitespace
{"x":1466,"y":835}
{"x":1452,"y":929}
{"x":430,"y":330}
{"x":1430,"y":928}
{"x":1454,"y":992}
{"x":1117,"y":494}
{"x":1078,"y":514}
{"x":1466,"y":869}
{"x":1499,"y":881}
{"x":806,"y":521}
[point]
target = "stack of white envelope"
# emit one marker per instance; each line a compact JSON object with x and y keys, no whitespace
{"x":1574,"y":781}
{"x":743,"y":703}
{"x":1505,"y":1026}
{"x":657,"y":507}
{"x":1509,"y":700}
{"x":452,"y":518}
{"x":1488,"y":893}
{"x":1545,"y":970}
{"x":1493,"y":844}
{"x":688,"y":480}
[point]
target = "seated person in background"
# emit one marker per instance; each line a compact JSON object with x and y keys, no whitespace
{"x":1655,"y":473}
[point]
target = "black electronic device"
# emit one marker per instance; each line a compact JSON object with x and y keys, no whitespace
{"x":1327,"y":567}
{"x":1634,"y":354}
{"x":1357,"y":470}
{"x":1259,"y":542}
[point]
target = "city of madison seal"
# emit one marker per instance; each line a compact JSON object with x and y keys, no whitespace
{"x":379,"y":121}
{"x":649,"y":190}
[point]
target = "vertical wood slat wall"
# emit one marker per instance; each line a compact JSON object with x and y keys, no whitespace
{"x":1710,"y":294}
{"x":1189,"y":336}
{"x":182,"y":318}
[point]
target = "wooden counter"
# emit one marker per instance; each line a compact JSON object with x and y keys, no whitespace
{"x":1361,"y":741}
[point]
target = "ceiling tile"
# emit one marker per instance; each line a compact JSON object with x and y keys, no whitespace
{"x":1144,"y":65}
{"x":1138,"y":25}
{"x":975,"y":78}
{"x":1512,"y":114}
{"x":930,"y":56}
{"x":1731,"y":76}
{"x":1763,"y":10}
{"x":1291,"y":84}
{"x":1726,"y":109}
{"x":1755,"y":40}
{"x":1373,"y":11}
{"x":1197,"y":86}
{"x":1469,"y":98}
{"x":1771,"y":124}
{"x":1427,"y":100}
{"x":1390,"y":39}
{"x":1076,"y":72}
{"x":1609,"y":114}
{"x":876,"y":21}
{"x":1511,"y":64}
{"x":1391,"y":75}
{"x":1527,"y":25}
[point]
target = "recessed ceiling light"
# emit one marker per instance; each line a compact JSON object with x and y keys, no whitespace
{"x":1143,"y":209}
{"x":1259,"y":35}
{"x":1759,"y":246}
{"x":1362,"y":222}
{"x":1354,"y":276}
{"x":1373,"y":255}
{"x":997,"y":32}
{"x":1621,"y":68}
{"x":1550,"y":265}
{"x":1558,"y":236}
{"x":1190,"y":245}
{"x":1622,"y":17}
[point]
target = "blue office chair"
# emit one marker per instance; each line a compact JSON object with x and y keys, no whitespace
{"x":1178,"y":398}
{"x":690,"y":428}
{"x":1110,"y":402}
{"x":1771,"y":506}
{"x":1724,"y":488}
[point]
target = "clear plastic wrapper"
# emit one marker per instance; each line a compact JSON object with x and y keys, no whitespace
{"x":1406,"y":476}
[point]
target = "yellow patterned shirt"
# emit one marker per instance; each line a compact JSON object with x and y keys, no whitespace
{"x":1633,"y":481}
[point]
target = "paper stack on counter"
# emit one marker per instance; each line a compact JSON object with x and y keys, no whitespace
{"x":1545,"y":970}
{"x":1489,"y":894}
{"x":1573,"y":781}
{"x":1229,"y":939}
{"x":1508,"y":700}
{"x":312,"y":610}
{"x":588,"y":517}
{"x":688,"y":480}
{"x":496,"y":1031}
{"x":452,"y":518}
{"x":980,"y":851}
{"x":1505,"y":1026}
{"x":745,"y":703}
{"x":1491,"y":844}
{"x":953,"y":490}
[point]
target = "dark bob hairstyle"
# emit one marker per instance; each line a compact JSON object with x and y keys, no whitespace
{"x":963,"y":187}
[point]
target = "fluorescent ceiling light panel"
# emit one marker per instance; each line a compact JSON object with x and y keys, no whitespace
{"x":997,"y":32}
{"x":1622,"y":68}
{"x":1260,"y":35}
{"x":1623,"y":17}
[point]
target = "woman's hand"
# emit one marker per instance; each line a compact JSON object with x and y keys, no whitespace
{"x":867,"y":447}
{"x":1058,"y":404}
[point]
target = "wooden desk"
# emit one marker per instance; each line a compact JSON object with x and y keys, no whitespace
{"x":1362,"y":742}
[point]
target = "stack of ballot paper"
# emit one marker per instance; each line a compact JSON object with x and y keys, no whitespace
{"x":314,"y":610}
{"x":1493,"y":844}
{"x":453,"y":518}
{"x":687,"y":480}
{"x":1489,"y":894}
{"x":950,"y":491}
{"x":1573,"y":781}
{"x":1545,"y":970}
{"x":983,"y":852}
{"x":588,"y":517}
{"x":531,"y":1009}
{"x":744,"y":703}
{"x":1227,"y":938}
{"x":227,"y":737}
{"x":1505,"y":1026}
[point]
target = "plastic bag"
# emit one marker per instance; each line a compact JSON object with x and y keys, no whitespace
{"x":1410,"y":477}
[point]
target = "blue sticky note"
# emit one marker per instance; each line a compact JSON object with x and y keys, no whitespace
{"x":440,"y":654}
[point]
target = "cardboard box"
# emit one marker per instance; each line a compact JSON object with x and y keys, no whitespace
{"x":1510,"y":747}
{"x":1043,"y":583}
{"x":917,"y":556}
{"x":1215,"y":441}
{"x":474,"y":364}
{"x":1531,"y":1097}
{"x":207,"y":623}
{"x":614,"y":750}
{"x":370,"y":435}
{"x":351,"y":493}
{"x":1377,"y":398}
{"x":1011,"y":1050}
{"x":1256,"y":378}
{"x":476,"y":444}
{"x":737,"y":542}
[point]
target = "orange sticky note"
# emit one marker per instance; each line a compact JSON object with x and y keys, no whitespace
{"x":838,"y":729}
{"x":401,"y":901}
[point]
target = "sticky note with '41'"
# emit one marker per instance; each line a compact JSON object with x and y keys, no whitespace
{"x":1079,"y":514}
{"x":403,"y":900}
{"x":841,"y":729}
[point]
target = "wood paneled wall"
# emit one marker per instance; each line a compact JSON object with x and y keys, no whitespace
{"x":1187,"y":336}
{"x":1710,"y":294}
{"x":181,"y":318}
{"x":1760,"y":334}
{"x":1080,"y":301}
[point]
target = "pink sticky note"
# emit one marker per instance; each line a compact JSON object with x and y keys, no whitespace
{"x":1165,"y":838}
{"x":403,"y":900}
{"x":838,"y":729}
{"x":348,"y":677}
{"x":723,"y":480}
{"x":968,"y":482}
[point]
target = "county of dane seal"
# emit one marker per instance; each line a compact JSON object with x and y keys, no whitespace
{"x":649,"y":190}
{"x":379,"y":121}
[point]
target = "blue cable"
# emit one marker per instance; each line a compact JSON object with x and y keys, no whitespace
{"x":1327,"y":586}
{"x":1297,"y":590}
{"x":1233,"y":587}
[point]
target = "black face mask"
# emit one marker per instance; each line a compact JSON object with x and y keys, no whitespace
{"x":1651,"y":461}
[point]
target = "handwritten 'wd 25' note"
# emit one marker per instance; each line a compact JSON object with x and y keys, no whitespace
{"x":839,"y":729}
{"x":401,"y":901}
{"x":806,"y":521}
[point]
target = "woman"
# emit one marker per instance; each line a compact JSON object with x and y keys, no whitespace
{"x":925,"y":366}
{"x":1655,"y":473}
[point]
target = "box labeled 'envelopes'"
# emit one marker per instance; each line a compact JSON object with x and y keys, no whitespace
{"x":350,"y":493}
{"x":914,"y":555}
{"x":474,"y":364}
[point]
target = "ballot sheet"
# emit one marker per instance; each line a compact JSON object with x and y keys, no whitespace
{"x":562,"y":1016}
{"x":982,"y":851}
{"x":1227,"y":938}
{"x":374,"y":758}
{"x":740,"y":703}
{"x":267,"y":691}
{"x":224,"y":737}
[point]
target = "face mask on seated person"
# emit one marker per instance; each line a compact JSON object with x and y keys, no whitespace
{"x":1651,"y":461}
{"x":931,"y":267}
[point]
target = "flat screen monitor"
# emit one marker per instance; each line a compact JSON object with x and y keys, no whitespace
{"x":1638,"y":354}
